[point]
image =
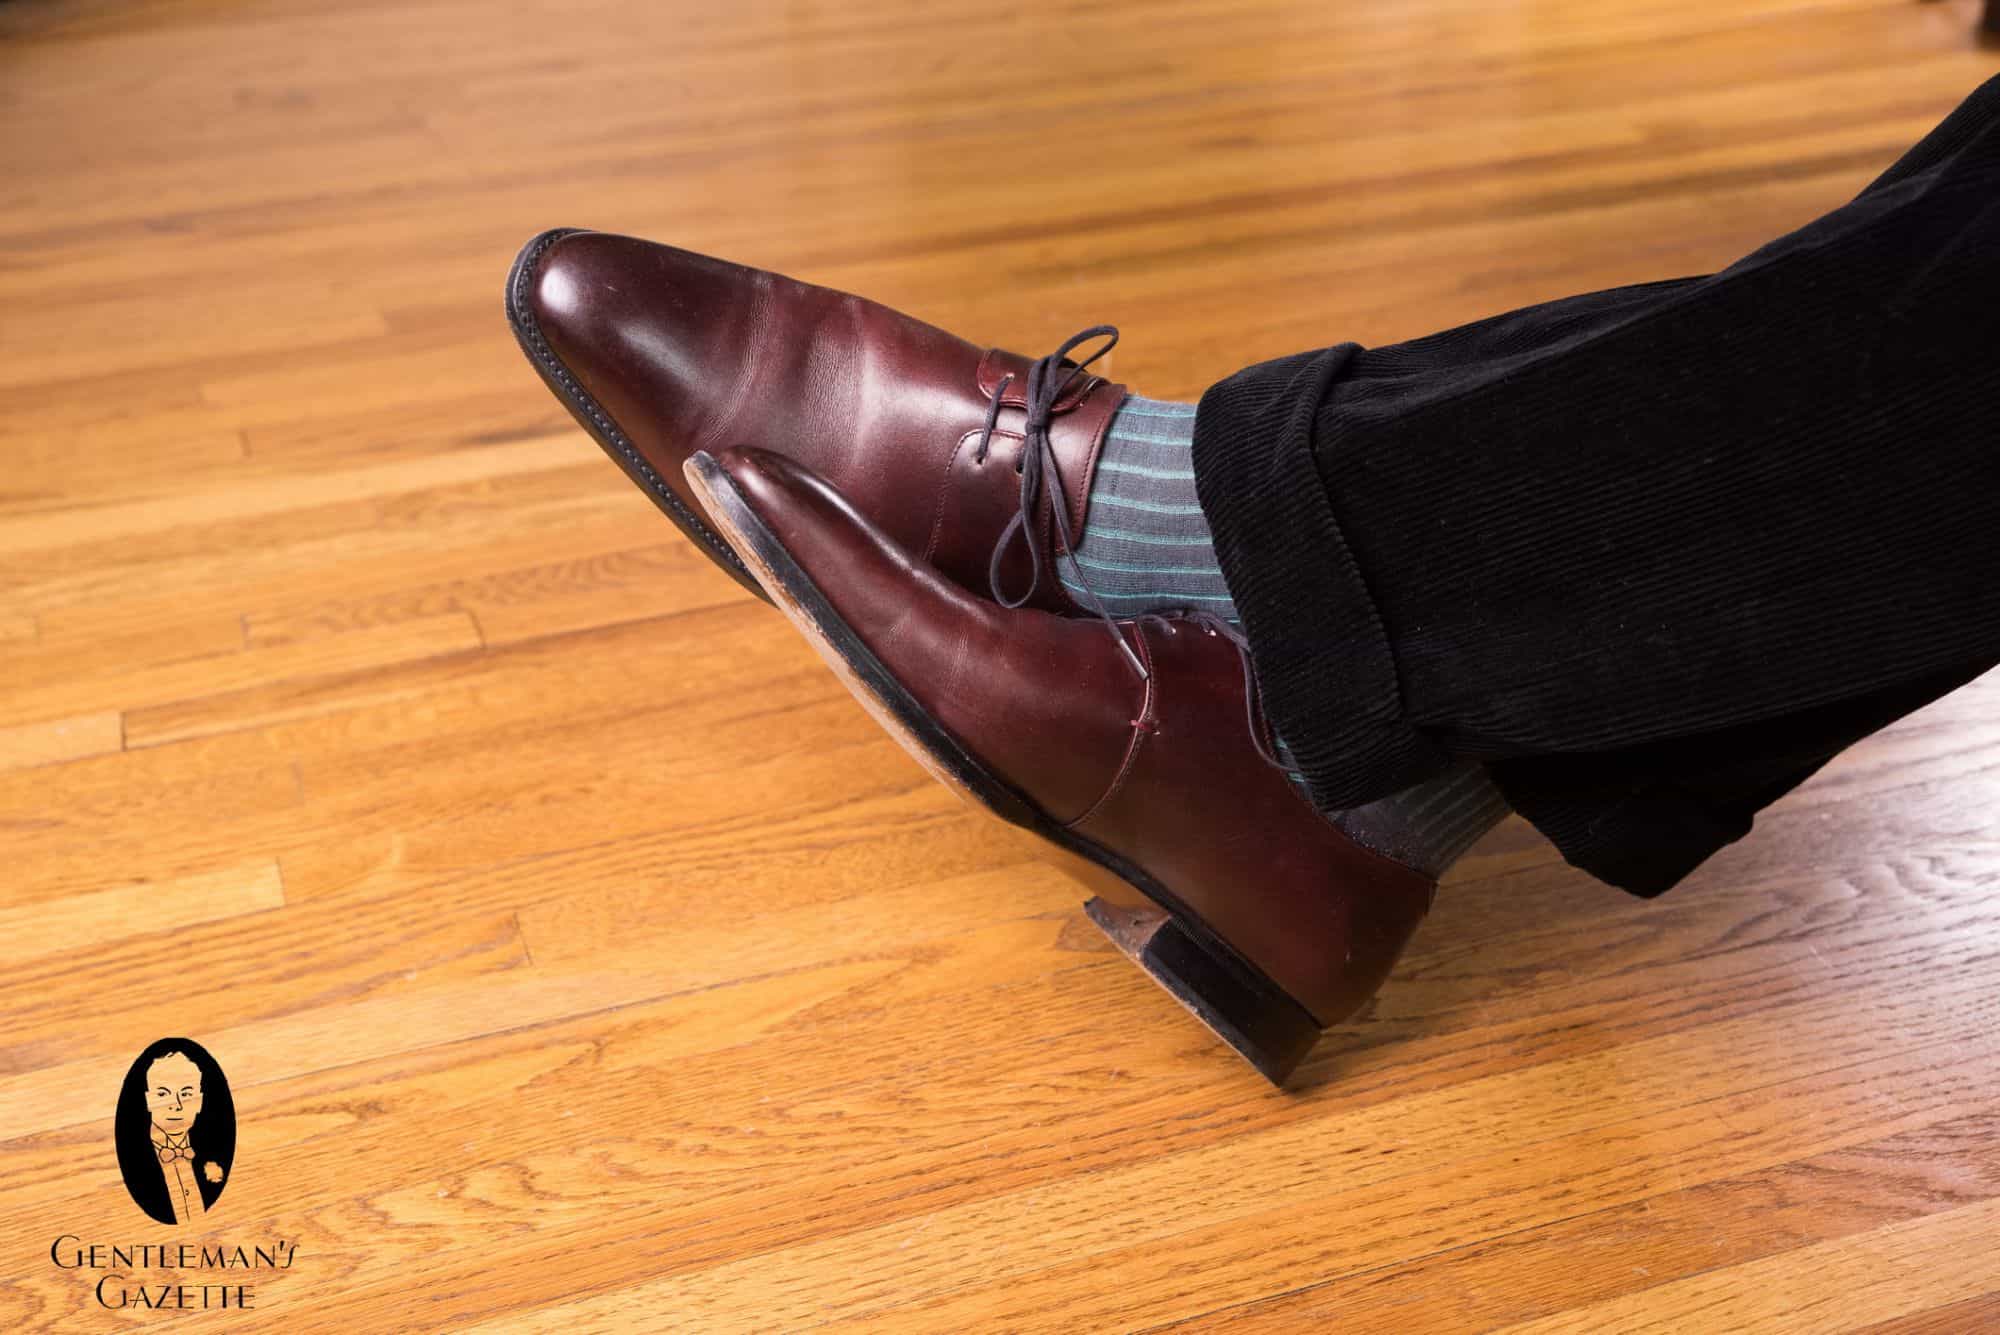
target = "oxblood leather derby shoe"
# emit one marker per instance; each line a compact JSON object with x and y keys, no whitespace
{"x":1221,"y":881}
{"x":958,"y":453}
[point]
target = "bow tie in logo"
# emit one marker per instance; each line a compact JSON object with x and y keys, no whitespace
{"x":170,"y":1152}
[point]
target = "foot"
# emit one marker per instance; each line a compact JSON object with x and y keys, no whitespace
{"x":954,"y":451}
{"x":1146,"y":547}
{"x":1138,"y":751}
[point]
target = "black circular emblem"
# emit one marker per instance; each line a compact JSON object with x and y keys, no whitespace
{"x":176,"y":1131}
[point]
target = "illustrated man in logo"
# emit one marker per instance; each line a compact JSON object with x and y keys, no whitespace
{"x":173,"y":1100}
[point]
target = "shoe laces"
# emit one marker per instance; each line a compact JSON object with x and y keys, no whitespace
{"x":1049,"y":378}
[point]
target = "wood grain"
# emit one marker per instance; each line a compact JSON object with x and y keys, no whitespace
{"x":583,"y":958}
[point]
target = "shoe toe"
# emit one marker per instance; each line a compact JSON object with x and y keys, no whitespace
{"x":628,"y":333}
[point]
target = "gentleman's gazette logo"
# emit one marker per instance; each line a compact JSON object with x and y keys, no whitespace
{"x":176,"y":1131}
{"x":176,"y":1137}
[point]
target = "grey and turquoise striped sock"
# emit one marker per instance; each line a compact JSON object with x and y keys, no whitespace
{"x":1145,"y":546}
{"x":1144,"y":542}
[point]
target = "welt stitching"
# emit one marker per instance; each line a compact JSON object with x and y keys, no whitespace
{"x":525,"y":319}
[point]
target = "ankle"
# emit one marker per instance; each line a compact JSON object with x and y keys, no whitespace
{"x":1145,"y":544}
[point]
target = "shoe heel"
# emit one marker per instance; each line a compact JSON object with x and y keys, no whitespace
{"x":1246,"y":1010}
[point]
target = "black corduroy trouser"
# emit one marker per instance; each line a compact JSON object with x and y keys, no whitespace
{"x":1653,"y":554}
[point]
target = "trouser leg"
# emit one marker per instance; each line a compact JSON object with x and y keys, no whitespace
{"x":1652,"y":554}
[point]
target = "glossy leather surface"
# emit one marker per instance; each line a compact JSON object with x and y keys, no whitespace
{"x":685,"y":352}
{"x":1162,"y":772}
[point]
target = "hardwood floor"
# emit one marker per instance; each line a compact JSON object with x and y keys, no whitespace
{"x":581,"y":957}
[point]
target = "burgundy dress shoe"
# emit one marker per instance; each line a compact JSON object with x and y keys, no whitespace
{"x":958,"y":453}
{"x":1140,"y":751}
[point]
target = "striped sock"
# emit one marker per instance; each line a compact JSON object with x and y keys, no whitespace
{"x":1144,"y":542}
{"x":1145,"y":546}
{"x":1429,"y":825}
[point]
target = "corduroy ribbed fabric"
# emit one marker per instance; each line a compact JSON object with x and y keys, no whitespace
{"x":1145,"y":546}
{"x":1653,"y":554}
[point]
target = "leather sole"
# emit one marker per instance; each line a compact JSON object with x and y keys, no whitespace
{"x":590,"y":415}
{"x":1232,"y":996}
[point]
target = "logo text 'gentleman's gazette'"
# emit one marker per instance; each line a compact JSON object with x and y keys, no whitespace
{"x":122,"y":1285}
{"x":176,"y":1137}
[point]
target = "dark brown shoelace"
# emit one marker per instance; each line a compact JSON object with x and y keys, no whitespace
{"x":1048,"y":380}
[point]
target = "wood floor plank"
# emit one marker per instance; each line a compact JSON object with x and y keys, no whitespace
{"x":67,"y":927}
{"x":1972,"y":1314}
{"x":1628,"y":1249}
{"x":1937,"y":1259}
{"x":53,"y":740}
{"x":1190,"y":1260}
